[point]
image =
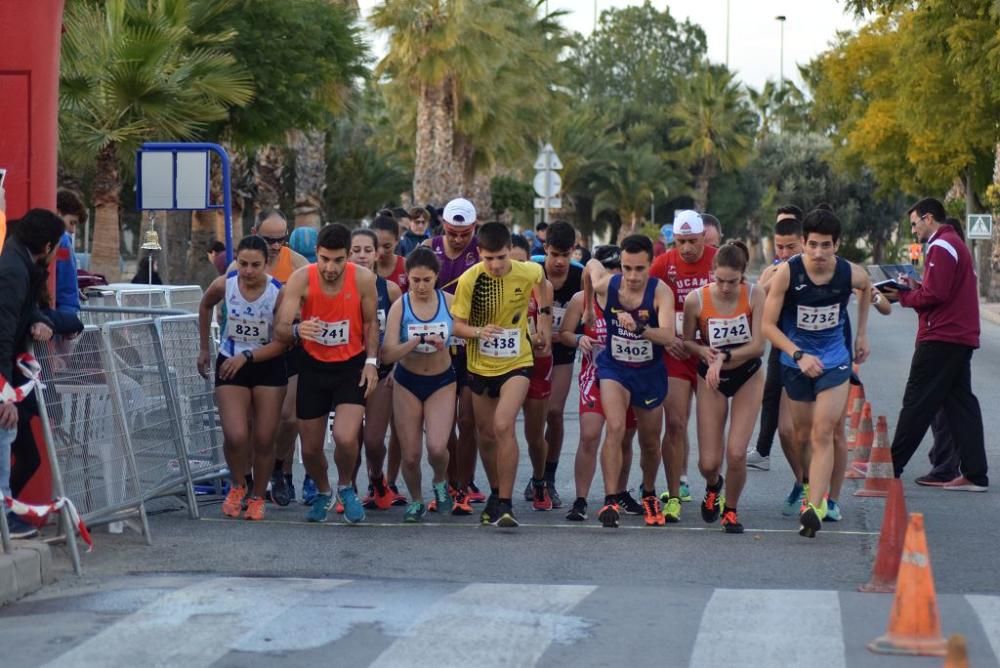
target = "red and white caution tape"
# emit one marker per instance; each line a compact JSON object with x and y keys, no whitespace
{"x":31,"y":369}
{"x":35,"y":512}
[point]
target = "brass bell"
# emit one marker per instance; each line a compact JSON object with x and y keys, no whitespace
{"x":152,"y":241}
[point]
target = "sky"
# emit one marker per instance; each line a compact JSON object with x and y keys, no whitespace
{"x":754,"y":34}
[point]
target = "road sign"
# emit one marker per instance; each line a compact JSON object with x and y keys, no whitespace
{"x":980,"y":226}
{"x":550,"y":203}
{"x":547,"y":184}
{"x":547,"y":159}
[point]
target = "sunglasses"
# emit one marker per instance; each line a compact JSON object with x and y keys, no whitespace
{"x":271,"y":241}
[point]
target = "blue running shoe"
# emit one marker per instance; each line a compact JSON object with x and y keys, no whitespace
{"x":308,"y":491}
{"x":354,"y":512}
{"x":415,"y":513}
{"x":320,"y":507}
{"x":685,"y":491}
{"x":833,"y":513}
{"x":443,"y":498}
{"x":794,"y":501}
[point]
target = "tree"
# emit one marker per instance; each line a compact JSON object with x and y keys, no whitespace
{"x":629,"y":187}
{"x":715,"y":126}
{"x":781,"y":108}
{"x":132,"y":72}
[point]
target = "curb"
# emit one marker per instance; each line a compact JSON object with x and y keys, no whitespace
{"x":25,"y":570}
{"x":989,"y":315}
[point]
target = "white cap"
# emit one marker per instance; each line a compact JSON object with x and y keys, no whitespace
{"x":460,"y":213}
{"x":688,"y":222}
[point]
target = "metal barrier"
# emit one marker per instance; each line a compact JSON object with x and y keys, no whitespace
{"x":99,"y":315}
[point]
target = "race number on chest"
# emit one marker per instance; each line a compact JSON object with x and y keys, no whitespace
{"x":435,"y":329}
{"x":728,"y":331}
{"x":505,"y":344}
{"x":818,"y":318}
{"x":631,"y":350}
{"x":334,"y":333}
{"x":247,"y":329}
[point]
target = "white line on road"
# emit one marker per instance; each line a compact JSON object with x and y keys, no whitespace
{"x":194,"y":626}
{"x":988,"y":610}
{"x":725,"y":638}
{"x":490,"y":624}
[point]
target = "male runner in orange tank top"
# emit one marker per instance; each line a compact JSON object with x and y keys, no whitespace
{"x":338,"y":366}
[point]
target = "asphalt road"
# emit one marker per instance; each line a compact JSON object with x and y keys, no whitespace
{"x":667,"y":594}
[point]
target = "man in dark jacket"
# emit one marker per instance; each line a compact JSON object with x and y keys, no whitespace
{"x":31,"y":244}
{"x":947,"y":305}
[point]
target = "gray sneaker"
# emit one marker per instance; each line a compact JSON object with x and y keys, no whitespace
{"x":529,"y":490}
{"x":554,"y":494}
{"x":757,"y":461}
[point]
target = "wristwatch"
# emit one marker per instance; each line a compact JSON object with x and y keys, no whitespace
{"x":727,"y":355}
{"x":797,"y":355}
{"x":249,"y":355}
{"x":295,"y":331}
{"x":545,"y":310}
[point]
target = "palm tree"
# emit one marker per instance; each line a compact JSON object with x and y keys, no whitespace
{"x":636,"y":176}
{"x":134,"y":71}
{"x":714,"y":124}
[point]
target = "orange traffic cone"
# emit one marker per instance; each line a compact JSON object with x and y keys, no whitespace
{"x":879,"y":468}
{"x":914,"y":623}
{"x":863,"y":445}
{"x":890,"y":542}
{"x":958,"y":653}
{"x":855,"y":404}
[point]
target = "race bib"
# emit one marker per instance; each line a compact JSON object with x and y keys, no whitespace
{"x":631,"y":350}
{"x":558,"y":312}
{"x":415,"y":329}
{"x":248,"y":330}
{"x":818,"y":318}
{"x":505,"y":344}
{"x":334,"y":333}
{"x":380,"y":314}
{"x":728,"y":331}
{"x":456,"y":341}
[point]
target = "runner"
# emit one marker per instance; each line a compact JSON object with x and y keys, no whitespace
{"x":490,"y":311}
{"x":536,"y":404}
{"x":591,"y":342}
{"x":684,"y":268}
{"x":566,"y":278}
{"x":809,"y":294}
{"x":272,"y":227}
{"x":633,"y":305}
{"x":416,"y":339}
{"x":250,"y":374}
{"x":727,"y":313}
{"x":458,"y":250}
{"x":339,"y":365}
{"x":378,"y":407}
{"x":389,"y":266}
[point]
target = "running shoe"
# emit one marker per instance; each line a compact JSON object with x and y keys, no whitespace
{"x":793,"y":501}
{"x":354,"y":512}
{"x":397,"y":498}
{"x":963,"y":484}
{"x":461,"y":505}
{"x":338,"y":504}
{"x":578,"y":513}
{"x":18,"y":528}
{"x":414,"y":513}
{"x":630,"y":506}
{"x":672,"y":510}
{"x":540,"y":499}
{"x":529,"y":490}
{"x":554,"y":494}
{"x":810,"y":521}
{"x":507,"y":520}
{"x":933,"y":481}
{"x":255,"y":509}
{"x":291,"y":487}
{"x":711,"y":505}
{"x":233,"y":505}
{"x":308,"y":491}
{"x":757,"y":461}
{"x":319,"y":508}
{"x":685,"y":491}
{"x":381,"y":493}
{"x":730,"y":522}
{"x":652,"y":511}
{"x":442,"y":497}
{"x":369,"y":500}
{"x":475,"y":496}
{"x":279,"y":489}
{"x":609,"y":516}
{"x":833,"y":513}
{"x":490,"y":514}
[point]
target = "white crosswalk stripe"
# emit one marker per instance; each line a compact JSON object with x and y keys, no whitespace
{"x":988,"y":610}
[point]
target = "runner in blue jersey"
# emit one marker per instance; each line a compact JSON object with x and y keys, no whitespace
{"x":804,"y":317}
{"x":639,"y":319}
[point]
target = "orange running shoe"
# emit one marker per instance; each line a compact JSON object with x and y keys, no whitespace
{"x":338,"y":506}
{"x":233,"y":504}
{"x":255,"y":509}
{"x":461,"y":504}
{"x":652,"y":511}
{"x":475,"y":496}
{"x":730,"y":522}
{"x":381,"y":494}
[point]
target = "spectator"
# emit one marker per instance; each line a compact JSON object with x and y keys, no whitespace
{"x":947,"y":304}
{"x":713,"y":230}
{"x":402,"y":217}
{"x":142,"y":274}
{"x":663,"y":242}
{"x":34,"y":240}
{"x":417,"y":233}
{"x":71,"y":209}
{"x":538,"y":247}
{"x":217,"y":256}
{"x":303,"y":242}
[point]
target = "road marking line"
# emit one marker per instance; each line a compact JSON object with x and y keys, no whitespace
{"x":988,"y":610}
{"x":524,"y":525}
{"x":726,"y":638}
{"x":490,"y":624}
{"x":194,"y":626}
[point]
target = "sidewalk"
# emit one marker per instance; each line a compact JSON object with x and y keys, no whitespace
{"x":989,"y":312}
{"x":24,"y":570}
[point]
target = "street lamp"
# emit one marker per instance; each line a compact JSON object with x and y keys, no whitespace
{"x":781,"y":57}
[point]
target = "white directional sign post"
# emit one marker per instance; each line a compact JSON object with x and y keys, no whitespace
{"x":547,"y":182}
{"x":980,"y":226}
